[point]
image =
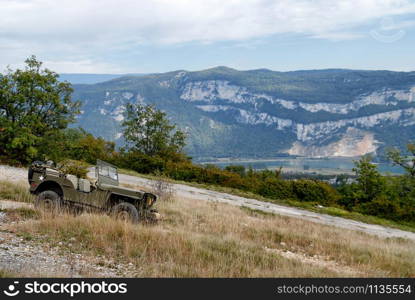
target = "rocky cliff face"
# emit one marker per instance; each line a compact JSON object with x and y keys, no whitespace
{"x":328,"y":113}
{"x":352,"y":143}
{"x":352,"y":140}
{"x":212,"y":90}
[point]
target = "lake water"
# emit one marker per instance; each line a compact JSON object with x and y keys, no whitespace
{"x":303,"y":164}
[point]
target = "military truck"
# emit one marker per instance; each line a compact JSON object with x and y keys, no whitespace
{"x":55,"y":189}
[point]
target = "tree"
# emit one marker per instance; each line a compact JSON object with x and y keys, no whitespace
{"x":405,"y":161}
{"x":370,"y":183}
{"x":77,"y":144}
{"x":33,"y":103}
{"x":147,"y":130}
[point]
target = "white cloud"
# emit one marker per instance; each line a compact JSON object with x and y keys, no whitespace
{"x":80,"y":29}
{"x":82,"y":66}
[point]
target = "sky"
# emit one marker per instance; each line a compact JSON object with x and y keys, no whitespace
{"x":148,"y":36}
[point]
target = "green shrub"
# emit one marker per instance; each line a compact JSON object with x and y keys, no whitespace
{"x":235,"y":181}
{"x":139,"y":162}
{"x":74,"y":167}
{"x":390,"y":197}
{"x":383,"y":207}
{"x":76,"y":144}
{"x":240,"y":170}
{"x":275,"y":188}
{"x":185,"y":171}
{"x":314,"y":191}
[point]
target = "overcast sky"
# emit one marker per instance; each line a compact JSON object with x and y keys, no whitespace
{"x":142,"y":36}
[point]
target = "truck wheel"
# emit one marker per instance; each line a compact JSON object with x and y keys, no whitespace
{"x":126,"y":211}
{"x":48,"y":200}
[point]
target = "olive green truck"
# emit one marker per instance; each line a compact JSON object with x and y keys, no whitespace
{"x":54,"y":190}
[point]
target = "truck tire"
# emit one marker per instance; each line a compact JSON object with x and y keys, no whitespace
{"x":126,"y":211}
{"x":49,"y":200}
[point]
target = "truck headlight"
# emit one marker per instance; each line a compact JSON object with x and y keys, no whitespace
{"x":150,"y":199}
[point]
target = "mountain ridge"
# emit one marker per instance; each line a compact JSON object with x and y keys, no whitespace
{"x":253,"y":113}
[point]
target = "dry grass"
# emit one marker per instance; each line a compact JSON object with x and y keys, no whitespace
{"x":204,"y":239}
{"x":163,"y":188}
{"x":15,"y":191}
{"x":7,"y":274}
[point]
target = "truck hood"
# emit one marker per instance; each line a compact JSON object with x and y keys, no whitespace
{"x":122,"y":191}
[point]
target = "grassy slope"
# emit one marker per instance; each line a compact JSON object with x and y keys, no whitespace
{"x":203,"y":239}
{"x":333,"y":211}
{"x":6,"y":274}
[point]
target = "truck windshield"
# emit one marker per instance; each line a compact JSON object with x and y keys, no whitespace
{"x":113,"y":173}
{"x":108,"y":172}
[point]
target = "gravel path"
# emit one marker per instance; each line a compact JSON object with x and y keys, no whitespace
{"x":185,"y":191}
{"x":33,"y":258}
{"x":6,"y":204}
{"x":13,"y":174}
{"x":19,"y":256}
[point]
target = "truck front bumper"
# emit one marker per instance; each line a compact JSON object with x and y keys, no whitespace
{"x":153,"y":215}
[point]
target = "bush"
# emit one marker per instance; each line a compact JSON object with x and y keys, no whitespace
{"x":76,"y":144}
{"x":74,"y":167}
{"x":383,"y":207}
{"x":391,"y":197}
{"x":240,"y":170}
{"x":275,"y":188}
{"x":185,"y":171}
{"x":314,"y":191}
{"x":236,"y":182}
{"x":138,"y":162}
{"x":209,"y":174}
{"x":163,"y":188}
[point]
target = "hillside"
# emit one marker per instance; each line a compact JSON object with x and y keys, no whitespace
{"x":194,"y":239}
{"x":262,"y":113}
{"x":82,"y":78}
{"x":85,"y":78}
